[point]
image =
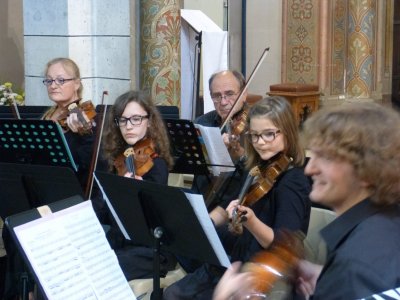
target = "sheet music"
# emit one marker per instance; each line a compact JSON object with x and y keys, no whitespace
{"x":71,"y":256}
{"x":115,"y":215}
{"x":200,"y":210}
{"x":217,"y":152}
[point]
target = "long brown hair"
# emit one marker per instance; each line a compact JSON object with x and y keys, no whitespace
{"x":113,"y":142}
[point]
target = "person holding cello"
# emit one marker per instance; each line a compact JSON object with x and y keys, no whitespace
{"x":276,"y":200}
{"x":136,"y":145}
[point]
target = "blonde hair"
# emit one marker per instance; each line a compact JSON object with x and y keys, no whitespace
{"x":71,"y":67}
{"x":368,"y":137}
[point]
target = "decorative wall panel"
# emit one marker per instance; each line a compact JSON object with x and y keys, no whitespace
{"x":302,"y":41}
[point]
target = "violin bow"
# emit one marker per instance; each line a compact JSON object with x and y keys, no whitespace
{"x":230,"y":114}
{"x":96,"y":150}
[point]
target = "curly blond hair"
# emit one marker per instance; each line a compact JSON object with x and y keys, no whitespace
{"x":368,"y":137}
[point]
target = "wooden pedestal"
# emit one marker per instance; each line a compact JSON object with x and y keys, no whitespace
{"x":304,"y":98}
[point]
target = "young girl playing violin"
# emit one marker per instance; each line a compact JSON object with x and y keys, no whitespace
{"x":271,"y":134}
{"x":134,"y":124}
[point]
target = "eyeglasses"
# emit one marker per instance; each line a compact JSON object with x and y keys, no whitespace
{"x":267,"y":136}
{"x":134,"y":120}
{"x":58,"y":81}
{"x":217,"y":97}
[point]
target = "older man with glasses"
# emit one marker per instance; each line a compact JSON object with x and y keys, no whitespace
{"x":225,"y":88}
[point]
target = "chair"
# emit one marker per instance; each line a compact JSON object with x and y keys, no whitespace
{"x":142,"y":288}
{"x":315,"y":248}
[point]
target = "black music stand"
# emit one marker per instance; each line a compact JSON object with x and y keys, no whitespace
{"x":157,"y":215}
{"x":24,"y":186}
{"x":25,"y":111}
{"x":39,"y":142}
{"x":28,"y":216}
{"x":186,"y":147}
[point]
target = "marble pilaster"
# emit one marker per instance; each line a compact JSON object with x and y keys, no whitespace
{"x":95,"y":34}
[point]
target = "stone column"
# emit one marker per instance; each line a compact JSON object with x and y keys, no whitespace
{"x":160,"y":28}
{"x":361,"y":48}
{"x":95,"y":34}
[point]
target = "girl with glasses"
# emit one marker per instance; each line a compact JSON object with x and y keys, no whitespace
{"x":134,"y":120}
{"x":136,"y":144}
{"x":271,"y":133}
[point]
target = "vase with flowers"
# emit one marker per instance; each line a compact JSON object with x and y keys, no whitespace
{"x":8,"y":97}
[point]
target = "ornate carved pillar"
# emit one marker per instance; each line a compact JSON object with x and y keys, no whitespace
{"x":361,"y":49}
{"x":160,"y":28}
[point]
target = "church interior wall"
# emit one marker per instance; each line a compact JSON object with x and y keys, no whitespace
{"x":265,"y":27}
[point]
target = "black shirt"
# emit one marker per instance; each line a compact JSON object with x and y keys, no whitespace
{"x":363,"y":253}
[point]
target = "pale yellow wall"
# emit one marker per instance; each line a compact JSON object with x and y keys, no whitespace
{"x":11,"y":42}
{"x":214,"y":9}
{"x":264,"y":29}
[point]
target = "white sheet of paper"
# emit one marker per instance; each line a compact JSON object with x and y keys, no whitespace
{"x":71,"y":256}
{"x":117,"y":219}
{"x":216,"y":149}
{"x":200,"y":209}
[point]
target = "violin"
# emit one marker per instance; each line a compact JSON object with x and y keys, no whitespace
{"x":278,"y":262}
{"x":85,"y":111}
{"x":238,"y":123}
{"x":137,"y":159}
{"x":264,"y":178}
